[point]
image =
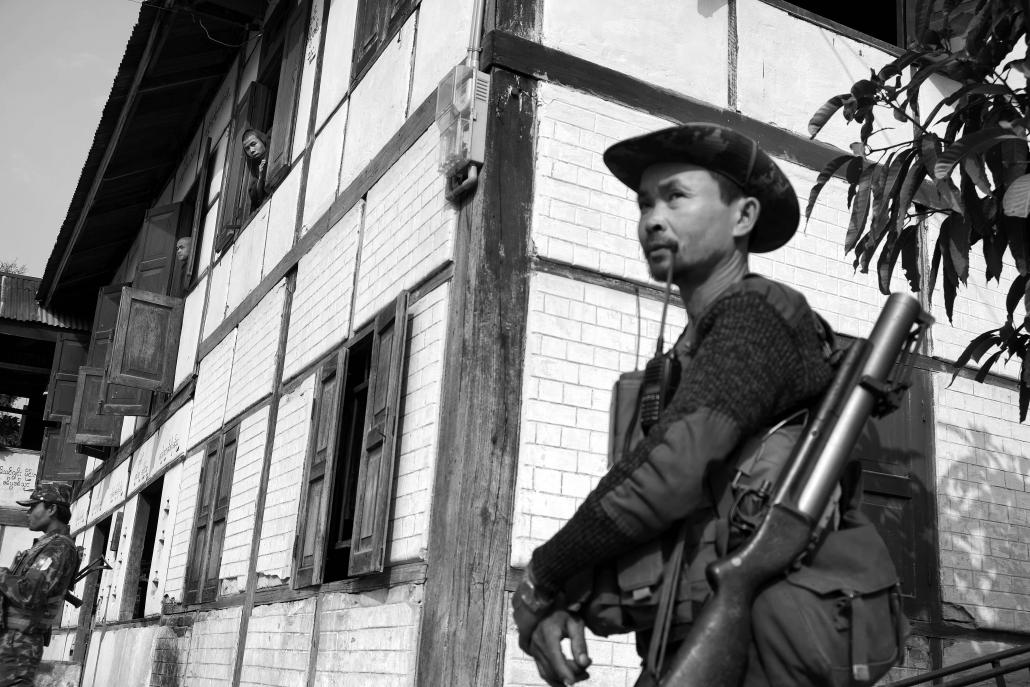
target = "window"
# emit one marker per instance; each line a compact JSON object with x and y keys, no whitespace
{"x":269,"y":106}
{"x":896,"y":454}
{"x":141,"y":552}
{"x":881,"y":19}
{"x":60,"y":461}
{"x":352,"y":451}
{"x":378,"y":21}
{"x":205,"y":557}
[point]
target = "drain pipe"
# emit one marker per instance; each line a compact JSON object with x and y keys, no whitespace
{"x":476,"y":34}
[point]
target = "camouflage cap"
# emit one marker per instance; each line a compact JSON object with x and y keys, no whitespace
{"x":724,"y":151}
{"x":50,"y":492}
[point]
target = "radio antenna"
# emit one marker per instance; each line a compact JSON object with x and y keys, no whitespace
{"x":665,"y":305}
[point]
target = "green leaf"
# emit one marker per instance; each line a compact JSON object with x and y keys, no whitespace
{"x":889,"y":256}
{"x":950,"y":289}
{"x":935,"y":268}
{"x":929,"y":147}
{"x":969,"y":145}
{"x":1017,"y":198}
{"x":894,"y":68}
{"x":913,"y":178}
{"x":973,"y":351}
{"x":860,"y":208}
{"x":910,"y":260}
{"x":955,"y":234}
{"x":994,"y":242}
{"x":823,"y":114}
{"x":975,"y":88}
{"x":973,"y":166}
{"x":828,"y":171}
{"x":1016,"y":291}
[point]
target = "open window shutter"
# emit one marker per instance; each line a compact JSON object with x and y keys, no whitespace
{"x":157,"y":255}
{"x":202,"y":523}
{"x":88,"y":426}
{"x":69,"y":356}
{"x":398,"y":12}
{"x":281,"y":138}
{"x":235,"y":203}
{"x":61,"y":461}
{"x":111,"y":399}
{"x":382,"y":427}
{"x":368,"y":34}
{"x":322,"y":449}
{"x":219,"y":512}
{"x":146,"y":340}
{"x":198,"y":217}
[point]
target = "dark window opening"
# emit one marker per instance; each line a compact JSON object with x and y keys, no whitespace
{"x":91,"y":591}
{"x":141,"y":553}
{"x":881,"y":19}
{"x":348,"y":459}
{"x":378,"y":21}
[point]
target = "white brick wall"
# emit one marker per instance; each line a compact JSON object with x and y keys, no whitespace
{"x":416,"y":464}
{"x":247,"y":253}
{"x":166,"y":521}
{"x":279,"y":519}
{"x":983,"y":502}
{"x":369,"y":639}
{"x":182,"y":530}
{"x":209,"y":398}
{"x":189,"y":335}
{"x":239,"y":523}
{"x":409,"y":228}
{"x":278,"y":645}
{"x":253,"y":361}
{"x":212,"y":652}
{"x":324,"y":169}
{"x":580,"y":337}
{"x":320,"y":313}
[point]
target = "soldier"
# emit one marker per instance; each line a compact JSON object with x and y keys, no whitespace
{"x":752,"y":354}
{"x":32,"y":589}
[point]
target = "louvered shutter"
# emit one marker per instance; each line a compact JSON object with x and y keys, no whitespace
{"x":202,"y":523}
{"x":281,"y":137}
{"x":382,"y":427}
{"x":157,"y":254}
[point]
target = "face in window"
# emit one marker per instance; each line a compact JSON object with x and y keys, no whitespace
{"x":182,"y":248}
{"x":253,"y":146}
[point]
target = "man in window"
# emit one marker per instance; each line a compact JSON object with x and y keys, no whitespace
{"x":753,"y":353}
{"x":32,"y":589}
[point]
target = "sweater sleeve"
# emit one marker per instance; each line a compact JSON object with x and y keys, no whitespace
{"x":744,"y":373}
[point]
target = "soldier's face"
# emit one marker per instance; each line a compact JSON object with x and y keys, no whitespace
{"x":684,"y":224}
{"x":39,"y":517}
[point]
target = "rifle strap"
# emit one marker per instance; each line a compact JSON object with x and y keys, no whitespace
{"x":666,"y":604}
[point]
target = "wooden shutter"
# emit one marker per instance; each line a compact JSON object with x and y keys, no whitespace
{"x":202,"y":523}
{"x":157,"y":252}
{"x":382,"y":426}
{"x":60,"y":461}
{"x":219,"y":512}
{"x":146,"y":340}
{"x":69,"y":356}
{"x":310,"y":545}
{"x":199,"y":212}
{"x":235,"y":206}
{"x":111,"y":399}
{"x":281,"y":137}
{"x":367,"y":35}
{"x":88,"y":426}
{"x":895,"y":452}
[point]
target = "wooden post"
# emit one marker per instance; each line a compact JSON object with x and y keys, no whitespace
{"x":465,"y":613}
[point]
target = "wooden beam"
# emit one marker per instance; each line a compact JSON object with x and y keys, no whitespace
{"x":29,"y":330}
{"x":27,"y":369}
{"x":465,"y":616}
{"x":158,"y":33}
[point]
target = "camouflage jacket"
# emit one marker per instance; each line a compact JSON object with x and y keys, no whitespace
{"x":32,"y":589}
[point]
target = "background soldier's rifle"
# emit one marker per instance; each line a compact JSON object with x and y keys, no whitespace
{"x":715,"y":651}
{"x":97,"y":563}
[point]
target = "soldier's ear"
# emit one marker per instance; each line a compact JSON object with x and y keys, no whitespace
{"x":748,"y":209}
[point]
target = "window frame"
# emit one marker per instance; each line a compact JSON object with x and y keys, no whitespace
{"x":373,"y":32}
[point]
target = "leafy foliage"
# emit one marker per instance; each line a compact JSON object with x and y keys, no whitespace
{"x":965,"y":164}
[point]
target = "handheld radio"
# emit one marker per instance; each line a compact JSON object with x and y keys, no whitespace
{"x":661,"y":374}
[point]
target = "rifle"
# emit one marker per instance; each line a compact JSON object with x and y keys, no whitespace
{"x":96,"y":564}
{"x":715,"y":652}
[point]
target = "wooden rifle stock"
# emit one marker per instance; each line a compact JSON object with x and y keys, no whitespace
{"x":715,"y":652}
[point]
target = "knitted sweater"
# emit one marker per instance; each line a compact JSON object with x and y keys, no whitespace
{"x":759,"y":353}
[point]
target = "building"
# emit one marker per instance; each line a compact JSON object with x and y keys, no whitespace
{"x":321,"y":448}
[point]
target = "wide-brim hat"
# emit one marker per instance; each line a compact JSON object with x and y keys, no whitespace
{"x":723,"y":151}
{"x":49,"y":492}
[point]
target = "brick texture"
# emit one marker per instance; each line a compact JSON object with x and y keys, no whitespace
{"x":419,"y":429}
{"x":239,"y":523}
{"x":579,"y":339}
{"x":212,"y":389}
{"x":320,"y":313}
{"x":253,"y":362}
{"x":369,"y":639}
{"x":212,"y":648}
{"x":286,"y":472}
{"x":408,"y":231}
{"x":278,"y":645}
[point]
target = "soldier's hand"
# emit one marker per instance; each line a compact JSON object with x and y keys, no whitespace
{"x":545,"y":647}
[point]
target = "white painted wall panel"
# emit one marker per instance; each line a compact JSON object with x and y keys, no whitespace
{"x":677,"y":44}
{"x":282,"y":219}
{"x":209,"y":397}
{"x":378,"y":104}
{"x":166,"y":518}
{"x":253,"y":363}
{"x":218,"y":294}
{"x":336,"y":62}
{"x":189,"y":335}
{"x":442,"y":42}
{"x":182,"y":530}
{"x":324,"y":169}
{"x":247,"y":256}
{"x":219,"y":114}
{"x":307,"y":83}
{"x":239,"y":523}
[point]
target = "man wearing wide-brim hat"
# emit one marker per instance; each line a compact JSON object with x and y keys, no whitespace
{"x":32,"y":589}
{"x":752,"y":354}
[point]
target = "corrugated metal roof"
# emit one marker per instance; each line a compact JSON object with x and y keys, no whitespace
{"x":18,"y":302}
